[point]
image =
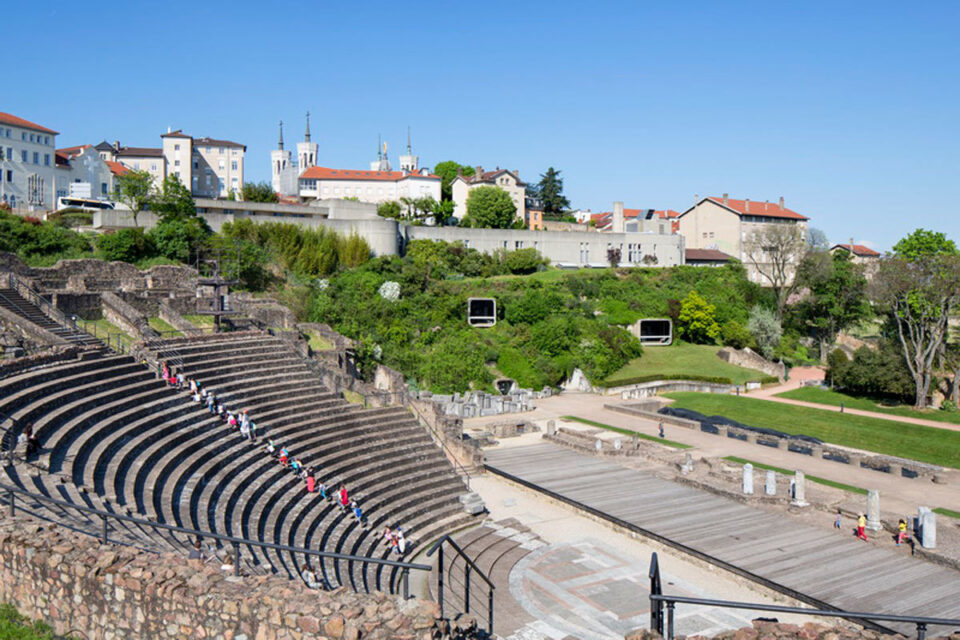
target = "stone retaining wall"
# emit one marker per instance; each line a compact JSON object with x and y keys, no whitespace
{"x":750,"y":359}
{"x":768,"y":630}
{"x":52,"y":355}
{"x":95,"y":592}
{"x":30,"y":332}
{"x":171,"y":316}
{"x":97,"y":275}
{"x":124,"y":316}
{"x":649,"y":389}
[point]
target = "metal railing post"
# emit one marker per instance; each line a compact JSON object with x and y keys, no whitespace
{"x":406,"y":583}
{"x":236,"y":558}
{"x":106,"y":525}
{"x":13,"y":506}
{"x":466,"y":589}
{"x":670,"y":606}
{"x":490,"y":609}
{"x":656,"y":606}
{"x":921,"y":631}
{"x":440,"y":581}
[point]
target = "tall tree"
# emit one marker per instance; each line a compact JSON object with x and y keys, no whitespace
{"x":836,"y":298}
{"x":775,"y":251}
{"x":258,"y":192}
{"x":134,"y":190}
{"x":920,"y":294}
{"x":550,"y":191}
{"x":923,"y":244}
{"x":817,"y":239}
{"x":448,"y":171}
{"x":174,"y":201}
{"x":490,"y":207}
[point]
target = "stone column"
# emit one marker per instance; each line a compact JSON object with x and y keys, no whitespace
{"x":799,"y":489}
{"x":722,"y":430}
{"x":748,"y":479}
{"x":854,"y":459}
{"x":751,"y":438}
{"x":551,"y":427}
{"x":896,"y":470}
{"x":873,"y":510}
{"x":771,"y":485}
{"x":816,"y":451}
{"x":927,"y":520}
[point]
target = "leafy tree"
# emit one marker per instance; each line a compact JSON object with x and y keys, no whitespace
{"x":354,"y":251}
{"x":448,"y":171}
{"x":174,"y":201}
{"x":697,"y":320}
{"x":921,"y":293}
{"x":244,"y":260}
{"x":817,"y":239}
{"x":134,"y":189}
{"x":258,"y":192}
{"x":490,"y":207}
{"x":950,"y":362}
{"x":775,"y":251}
{"x":736,"y":335}
{"x":125,"y":245}
{"x":524,"y":261}
{"x":180,"y":238}
{"x":922,"y":244}
{"x":766,"y":330}
{"x":874,"y":372}
{"x":613,"y":256}
{"x":389,"y":209}
{"x":550,"y":190}
{"x":837,"y":297}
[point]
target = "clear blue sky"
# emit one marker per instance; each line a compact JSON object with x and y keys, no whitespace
{"x":847,"y":109}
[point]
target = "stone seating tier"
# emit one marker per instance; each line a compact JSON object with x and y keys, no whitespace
{"x":131,"y":445}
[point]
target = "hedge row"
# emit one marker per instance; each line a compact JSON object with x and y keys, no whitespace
{"x":653,"y":377}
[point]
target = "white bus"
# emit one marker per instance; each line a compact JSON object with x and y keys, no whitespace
{"x":86,"y":204}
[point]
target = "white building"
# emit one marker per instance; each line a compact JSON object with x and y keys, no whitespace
{"x":285,"y":170}
{"x":368,"y":186}
{"x":27,"y":164}
{"x":82,"y":172}
{"x":509,"y":181}
{"x":209,"y":167}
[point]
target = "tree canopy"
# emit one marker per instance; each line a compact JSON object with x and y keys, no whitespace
{"x":258,"y":192}
{"x":490,"y":207}
{"x":550,"y":192}
{"x":134,"y":189}
{"x":447,"y":171}
{"x":923,"y":243}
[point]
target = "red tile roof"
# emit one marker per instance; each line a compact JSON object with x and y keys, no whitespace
{"x":754,"y":208}
{"x":859,"y":250}
{"x":489,"y":176}
{"x":211,"y":142}
{"x":140,"y":152}
{"x":706,"y":255}
{"x":14,"y":121}
{"x":71,"y":152}
{"x":325,"y":173}
{"x":116,"y":168}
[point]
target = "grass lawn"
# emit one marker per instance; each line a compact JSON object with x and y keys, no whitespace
{"x":926,"y":444}
{"x":352,"y":396}
{"x":789,"y":472}
{"x":627,"y":432}
{"x":199,"y":321}
{"x":834,"y":398}
{"x":682,"y":358}
{"x":103,"y":328}
{"x":165,"y":328}
{"x":950,"y":513}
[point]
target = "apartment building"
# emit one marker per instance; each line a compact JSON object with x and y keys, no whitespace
{"x":27,"y":164}
{"x":368,"y":186}
{"x":507,"y":180}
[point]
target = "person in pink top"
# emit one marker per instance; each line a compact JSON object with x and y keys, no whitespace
{"x":344,"y":498}
{"x":311,"y":483}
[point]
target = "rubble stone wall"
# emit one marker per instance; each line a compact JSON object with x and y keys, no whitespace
{"x":92,"y":591}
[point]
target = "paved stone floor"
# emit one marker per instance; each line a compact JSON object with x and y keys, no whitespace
{"x":588,"y":589}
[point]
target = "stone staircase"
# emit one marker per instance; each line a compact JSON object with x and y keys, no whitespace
{"x":12,"y":301}
{"x":495,"y":547}
{"x":113,"y":434}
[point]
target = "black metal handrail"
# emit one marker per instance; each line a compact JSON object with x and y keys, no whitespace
{"x":659,"y":600}
{"x":471,"y":566}
{"x":106,"y":516}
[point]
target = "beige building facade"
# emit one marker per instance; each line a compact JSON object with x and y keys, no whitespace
{"x":509,"y":181}
{"x":733,"y":226}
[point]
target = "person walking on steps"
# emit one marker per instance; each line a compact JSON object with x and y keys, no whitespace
{"x":838,"y":523}
{"x":861,"y":525}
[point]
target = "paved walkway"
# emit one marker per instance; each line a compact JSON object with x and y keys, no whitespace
{"x":837,"y":570}
{"x":799,"y":375}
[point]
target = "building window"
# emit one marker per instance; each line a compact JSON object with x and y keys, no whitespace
{"x":23,"y":156}
{"x":136,"y":166}
{"x":222,"y":165}
{"x":233,"y":165}
{"x":36,"y":157}
{"x":196,"y":165}
{"x":103,"y":188}
{"x":46,"y":159}
{"x":176,"y":163}
{"x":35,"y":189}
{"x":23,"y":136}
{"x":221,"y":150}
{"x":518,"y":244}
{"x":176,"y":147}
{"x":46,"y":139}
{"x":9,"y":175}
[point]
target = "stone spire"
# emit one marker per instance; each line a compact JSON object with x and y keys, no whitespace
{"x":409,"y":153}
{"x":379,"y":147}
{"x":280,"y":143}
{"x":306,"y":136}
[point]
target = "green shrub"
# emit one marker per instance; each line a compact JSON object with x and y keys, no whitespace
{"x":697,"y":320}
{"x":125,"y":245}
{"x":737,"y":336}
{"x":524,"y":261}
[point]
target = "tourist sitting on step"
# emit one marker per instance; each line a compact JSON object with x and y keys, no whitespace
{"x":244,"y":431}
{"x":284,"y":457}
{"x":389,"y":538}
{"x":196,"y":393}
{"x":296,"y":465}
{"x":222,"y":410}
{"x":271,"y":448}
{"x":311,"y":578}
{"x":344,"y":501}
{"x":231,"y":420}
{"x":228,"y":564}
{"x":245,"y":418}
{"x":193,"y":386}
{"x":401,"y":547}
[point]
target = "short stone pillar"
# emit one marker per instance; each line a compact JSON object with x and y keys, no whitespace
{"x":816,"y":451}
{"x":896,"y":470}
{"x":748,"y":479}
{"x":687,"y":465}
{"x":636,"y":442}
{"x":854,"y":459}
{"x":722,"y":430}
{"x":751,"y":437}
{"x":617,"y":444}
{"x":927,"y":521}
{"x":598,"y":445}
{"x":551,"y":427}
{"x":770,"y":487}
{"x":873,"y":510}
{"x":799,"y":489}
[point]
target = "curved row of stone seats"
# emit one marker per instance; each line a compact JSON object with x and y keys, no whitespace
{"x":114,"y":429}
